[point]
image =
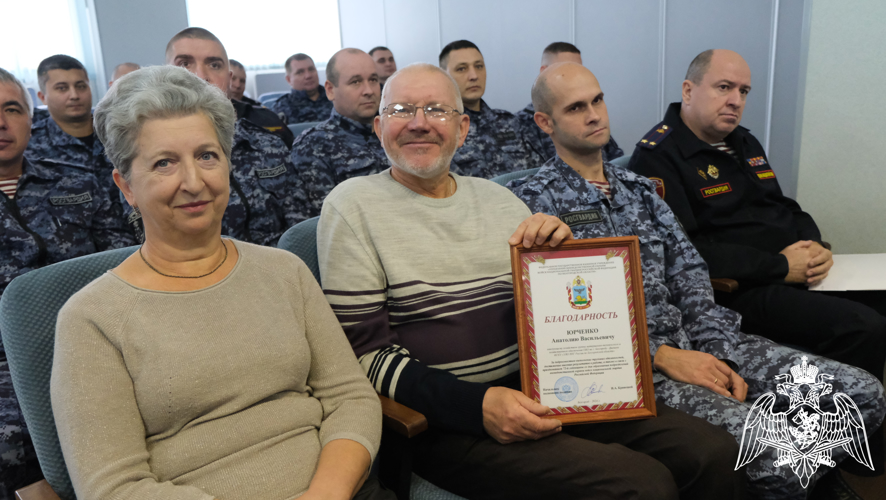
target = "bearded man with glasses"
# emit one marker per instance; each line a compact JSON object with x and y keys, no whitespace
{"x":415,"y":262}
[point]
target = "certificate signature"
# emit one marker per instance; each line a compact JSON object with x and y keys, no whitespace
{"x":593,"y":389}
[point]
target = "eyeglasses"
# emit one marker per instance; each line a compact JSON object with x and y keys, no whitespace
{"x":438,"y":112}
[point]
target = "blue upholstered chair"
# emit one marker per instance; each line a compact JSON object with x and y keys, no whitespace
{"x":400,"y":422}
{"x":621,"y":161}
{"x":504,"y":179}
{"x":298,"y":128}
{"x":266,"y":98}
{"x":28,"y":311}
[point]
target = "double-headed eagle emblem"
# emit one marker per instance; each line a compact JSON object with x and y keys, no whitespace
{"x":804,"y":435}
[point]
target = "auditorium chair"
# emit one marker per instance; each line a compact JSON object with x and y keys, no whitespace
{"x":266,"y":98}
{"x":298,"y":128}
{"x":400,"y":423}
{"x":719,"y":284}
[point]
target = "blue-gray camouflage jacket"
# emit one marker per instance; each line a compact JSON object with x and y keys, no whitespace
{"x":680,"y":308}
{"x":49,"y":141}
{"x":296,"y":107}
{"x":60,"y":211}
{"x":494,"y":145}
{"x":332,"y":152}
{"x":541,"y":143}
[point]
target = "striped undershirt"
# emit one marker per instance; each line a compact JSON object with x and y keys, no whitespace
{"x":9,"y":187}
{"x":603,"y":186}
{"x":723,"y":147}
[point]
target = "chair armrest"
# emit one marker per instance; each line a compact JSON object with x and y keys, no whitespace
{"x":36,"y":491}
{"x":724,"y":284}
{"x":401,"y":419}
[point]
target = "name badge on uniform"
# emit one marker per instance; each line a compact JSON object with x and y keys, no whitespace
{"x":766,"y":174}
{"x":715,"y":190}
{"x":507,"y":136}
{"x":74,"y":199}
{"x":583,"y":217}
{"x":267,"y":173}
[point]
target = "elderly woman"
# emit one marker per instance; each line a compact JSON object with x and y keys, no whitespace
{"x":202,"y":367}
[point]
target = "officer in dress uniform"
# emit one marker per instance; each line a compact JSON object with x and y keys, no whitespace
{"x":66,"y":134}
{"x":50,"y":211}
{"x":495,"y":144}
{"x":345,"y":145}
{"x":535,"y":137}
{"x":704,"y":365}
{"x":266,"y":194}
{"x":308,"y":101}
{"x":238,"y":84}
{"x":715,"y":176}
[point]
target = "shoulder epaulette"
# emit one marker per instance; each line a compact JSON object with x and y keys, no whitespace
{"x":655,"y":136}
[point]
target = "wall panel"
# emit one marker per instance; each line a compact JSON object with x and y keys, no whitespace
{"x":362,"y":23}
{"x":412,"y":28}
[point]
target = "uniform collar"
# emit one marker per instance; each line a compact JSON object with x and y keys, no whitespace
{"x":350,"y":125}
{"x":529,"y":108}
{"x":60,"y":138}
{"x":302,"y":95}
{"x":485,"y":111}
{"x":617,"y":177}
{"x":689,"y":143}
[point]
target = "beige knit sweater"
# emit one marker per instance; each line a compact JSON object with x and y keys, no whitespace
{"x":226,"y":392}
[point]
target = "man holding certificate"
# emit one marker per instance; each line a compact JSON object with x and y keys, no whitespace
{"x":415,"y":263}
{"x":703,"y":364}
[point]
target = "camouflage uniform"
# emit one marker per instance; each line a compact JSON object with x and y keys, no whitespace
{"x":681,"y":312}
{"x":296,"y":107}
{"x":60,"y":211}
{"x":332,"y":152}
{"x":494,"y":145}
{"x":49,"y":141}
{"x":542,"y":144}
{"x":262,"y":174}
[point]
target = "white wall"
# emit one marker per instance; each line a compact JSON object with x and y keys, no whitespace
{"x":639,"y":50}
{"x":842,"y":181}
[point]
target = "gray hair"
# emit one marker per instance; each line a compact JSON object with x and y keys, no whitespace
{"x":699,"y":66}
{"x":158,"y":92}
{"x":7,"y":77}
{"x":459,"y":104}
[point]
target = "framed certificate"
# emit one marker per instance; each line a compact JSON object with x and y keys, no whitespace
{"x":581,"y":328}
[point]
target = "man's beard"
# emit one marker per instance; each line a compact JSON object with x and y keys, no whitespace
{"x":438,"y":168}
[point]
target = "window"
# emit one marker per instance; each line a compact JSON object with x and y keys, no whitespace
{"x":262,"y":34}
{"x":58,"y":33}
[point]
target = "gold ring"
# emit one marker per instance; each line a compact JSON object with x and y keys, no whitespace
{"x":716,"y":379}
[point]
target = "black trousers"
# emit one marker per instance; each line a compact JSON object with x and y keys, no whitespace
{"x":671,"y":456}
{"x":849,"y":327}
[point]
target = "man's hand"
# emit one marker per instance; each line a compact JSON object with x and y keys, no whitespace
{"x":820,"y":264}
{"x":509,"y":416}
{"x":701,"y":369}
{"x":799,"y":257}
{"x":538,"y":228}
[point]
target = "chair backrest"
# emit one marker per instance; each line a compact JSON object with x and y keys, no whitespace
{"x":28,"y":311}
{"x":621,"y":161}
{"x":298,"y":128}
{"x":267,"y":97}
{"x":301,"y":239}
{"x":504,"y":179}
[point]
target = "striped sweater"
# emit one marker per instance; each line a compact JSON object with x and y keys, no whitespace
{"x":423,"y":289}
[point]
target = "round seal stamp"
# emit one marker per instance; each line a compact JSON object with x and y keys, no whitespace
{"x":566,"y":389}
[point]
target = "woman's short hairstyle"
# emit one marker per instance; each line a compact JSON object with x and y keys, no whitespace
{"x":157,"y":92}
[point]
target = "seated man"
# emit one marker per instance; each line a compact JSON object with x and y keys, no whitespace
{"x":415,"y":263}
{"x":343,"y":146}
{"x":308,"y":101}
{"x":539,"y":141}
{"x":121,"y":70}
{"x":50,"y":211}
{"x":238,"y":84}
{"x":716,"y":178}
{"x":67,"y":134}
{"x":384,"y":63}
{"x":704,"y":365}
{"x":495,"y":144}
{"x":266,"y":194}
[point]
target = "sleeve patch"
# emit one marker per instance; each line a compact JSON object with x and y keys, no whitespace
{"x":659,"y":186}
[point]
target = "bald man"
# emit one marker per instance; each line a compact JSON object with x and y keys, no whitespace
{"x":343,"y":146}
{"x":122,"y":69}
{"x":535,"y":137}
{"x":435,"y":331}
{"x":716,"y":178}
{"x":704,"y":365}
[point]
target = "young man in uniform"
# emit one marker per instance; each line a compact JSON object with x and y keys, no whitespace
{"x":384,"y":63}
{"x":308,"y":101}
